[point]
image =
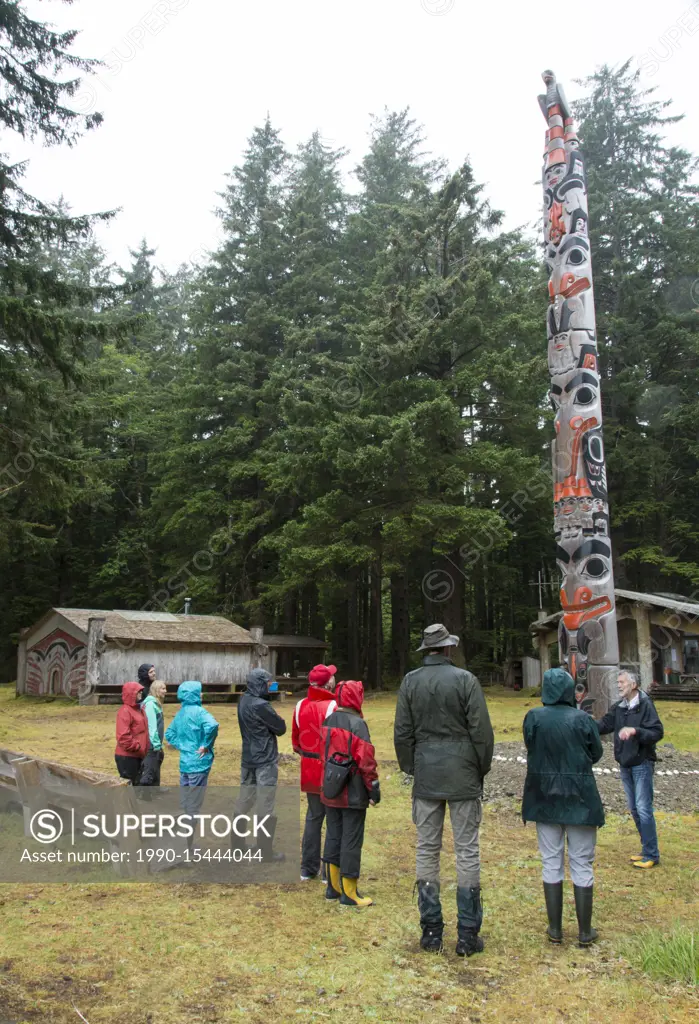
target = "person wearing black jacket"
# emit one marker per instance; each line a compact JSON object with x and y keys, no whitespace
{"x":259,"y":727}
{"x":637,"y":728}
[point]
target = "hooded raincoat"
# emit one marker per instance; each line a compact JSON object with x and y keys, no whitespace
{"x":150,"y":773}
{"x":346,"y":732}
{"x":192,"y":728}
{"x":154,"y":716}
{"x":131,"y":726}
{"x":259,"y":722}
{"x":562,"y":745}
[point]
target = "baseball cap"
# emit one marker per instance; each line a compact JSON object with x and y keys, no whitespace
{"x":321,"y":674}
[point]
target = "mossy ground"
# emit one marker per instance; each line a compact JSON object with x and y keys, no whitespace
{"x":164,"y":954}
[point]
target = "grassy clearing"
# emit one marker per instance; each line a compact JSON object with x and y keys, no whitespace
{"x":673,"y":957}
{"x":61,"y":730}
{"x":159,"y":954}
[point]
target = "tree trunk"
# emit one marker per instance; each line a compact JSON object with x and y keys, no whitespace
{"x":400,"y":624}
{"x":457,"y":608}
{"x":317,"y":621}
{"x":444,"y":590}
{"x":375,"y":630}
{"x":353,"y":626}
{"x":290,"y":615}
{"x":364,"y":624}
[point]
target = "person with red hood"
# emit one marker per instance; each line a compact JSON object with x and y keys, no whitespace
{"x":346,"y":743}
{"x":306,"y":737}
{"x":131,"y":733}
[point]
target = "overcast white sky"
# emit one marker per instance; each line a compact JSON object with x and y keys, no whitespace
{"x":188,"y":79}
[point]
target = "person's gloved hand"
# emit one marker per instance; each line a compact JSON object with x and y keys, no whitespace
{"x":375,"y":794}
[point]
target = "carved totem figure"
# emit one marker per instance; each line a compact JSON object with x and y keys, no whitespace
{"x":588,"y":641}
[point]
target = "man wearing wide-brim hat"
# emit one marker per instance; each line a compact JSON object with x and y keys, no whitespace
{"x":443,"y":737}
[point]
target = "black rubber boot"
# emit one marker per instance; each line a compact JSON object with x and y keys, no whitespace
{"x":583,"y":908}
{"x":431,"y":921}
{"x":470,"y":919}
{"x":553,"y":894}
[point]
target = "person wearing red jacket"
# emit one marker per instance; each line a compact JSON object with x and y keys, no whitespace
{"x":306,"y":736}
{"x":131,"y":733}
{"x":346,"y":736}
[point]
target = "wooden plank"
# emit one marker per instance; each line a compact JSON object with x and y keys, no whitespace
{"x":9,"y":759}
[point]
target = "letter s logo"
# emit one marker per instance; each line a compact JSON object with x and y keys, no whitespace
{"x":46,"y":826}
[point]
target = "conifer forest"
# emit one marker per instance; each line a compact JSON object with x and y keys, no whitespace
{"x":337,"y":423}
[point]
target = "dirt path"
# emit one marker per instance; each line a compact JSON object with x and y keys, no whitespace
{"x":676,"y":778}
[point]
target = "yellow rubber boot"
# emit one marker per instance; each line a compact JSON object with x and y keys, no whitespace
{"x":350,"y":897}
{"x":334,"y":889}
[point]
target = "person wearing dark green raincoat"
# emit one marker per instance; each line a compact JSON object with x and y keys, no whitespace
{"x":561,"y":796}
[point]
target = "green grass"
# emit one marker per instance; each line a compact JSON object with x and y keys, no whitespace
{"x":673,"y":957}
{"x":681,"y":721}
{"x":205,"y":954}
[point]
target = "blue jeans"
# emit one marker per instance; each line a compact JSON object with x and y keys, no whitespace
{"x":638,"y":785}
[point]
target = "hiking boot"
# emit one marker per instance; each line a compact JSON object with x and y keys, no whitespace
{"x":553,"y":894}
{"x":469,"y":943}
{"x":431,"y":940}
{"x":583,"y":909}
{"x":645,"y":863}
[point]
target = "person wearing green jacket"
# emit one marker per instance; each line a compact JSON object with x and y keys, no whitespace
{"x":561,"y":796}
{"x":444,"y":739}
{"x":153,"y":708}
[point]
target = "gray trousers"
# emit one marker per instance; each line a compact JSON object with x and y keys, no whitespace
{"x":428,"y":816}
{"x":581,"y":852}
{"x":258,"y":789}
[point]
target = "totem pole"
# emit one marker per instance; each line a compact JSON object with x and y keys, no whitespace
{"x":587,"y":635}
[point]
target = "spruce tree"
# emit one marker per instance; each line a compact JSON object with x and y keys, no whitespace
{"x":644,"y":216}
{"x":214,"y":491}
{"x":35,"y":319}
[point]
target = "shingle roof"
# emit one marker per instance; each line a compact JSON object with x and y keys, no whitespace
{"x":160,"y":626}
{"x":672,"y":604}
{"x":687,"y":608}
{"x":280,"y":640}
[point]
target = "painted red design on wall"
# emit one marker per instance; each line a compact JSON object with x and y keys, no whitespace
{"x":57,"y":664}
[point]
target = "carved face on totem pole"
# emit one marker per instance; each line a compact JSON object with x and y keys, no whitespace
{"x":587,"y":633}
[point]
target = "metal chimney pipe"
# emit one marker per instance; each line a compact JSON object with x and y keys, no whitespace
{"x":187,"y":605}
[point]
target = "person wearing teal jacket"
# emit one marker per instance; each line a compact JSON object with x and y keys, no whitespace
{"x":193,"y":732}
{"x":153,"y":708}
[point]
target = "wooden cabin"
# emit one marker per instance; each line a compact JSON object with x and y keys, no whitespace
{"x":90,"y":653}
{"x":658,"y":639}
{"x":291,"y":658}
